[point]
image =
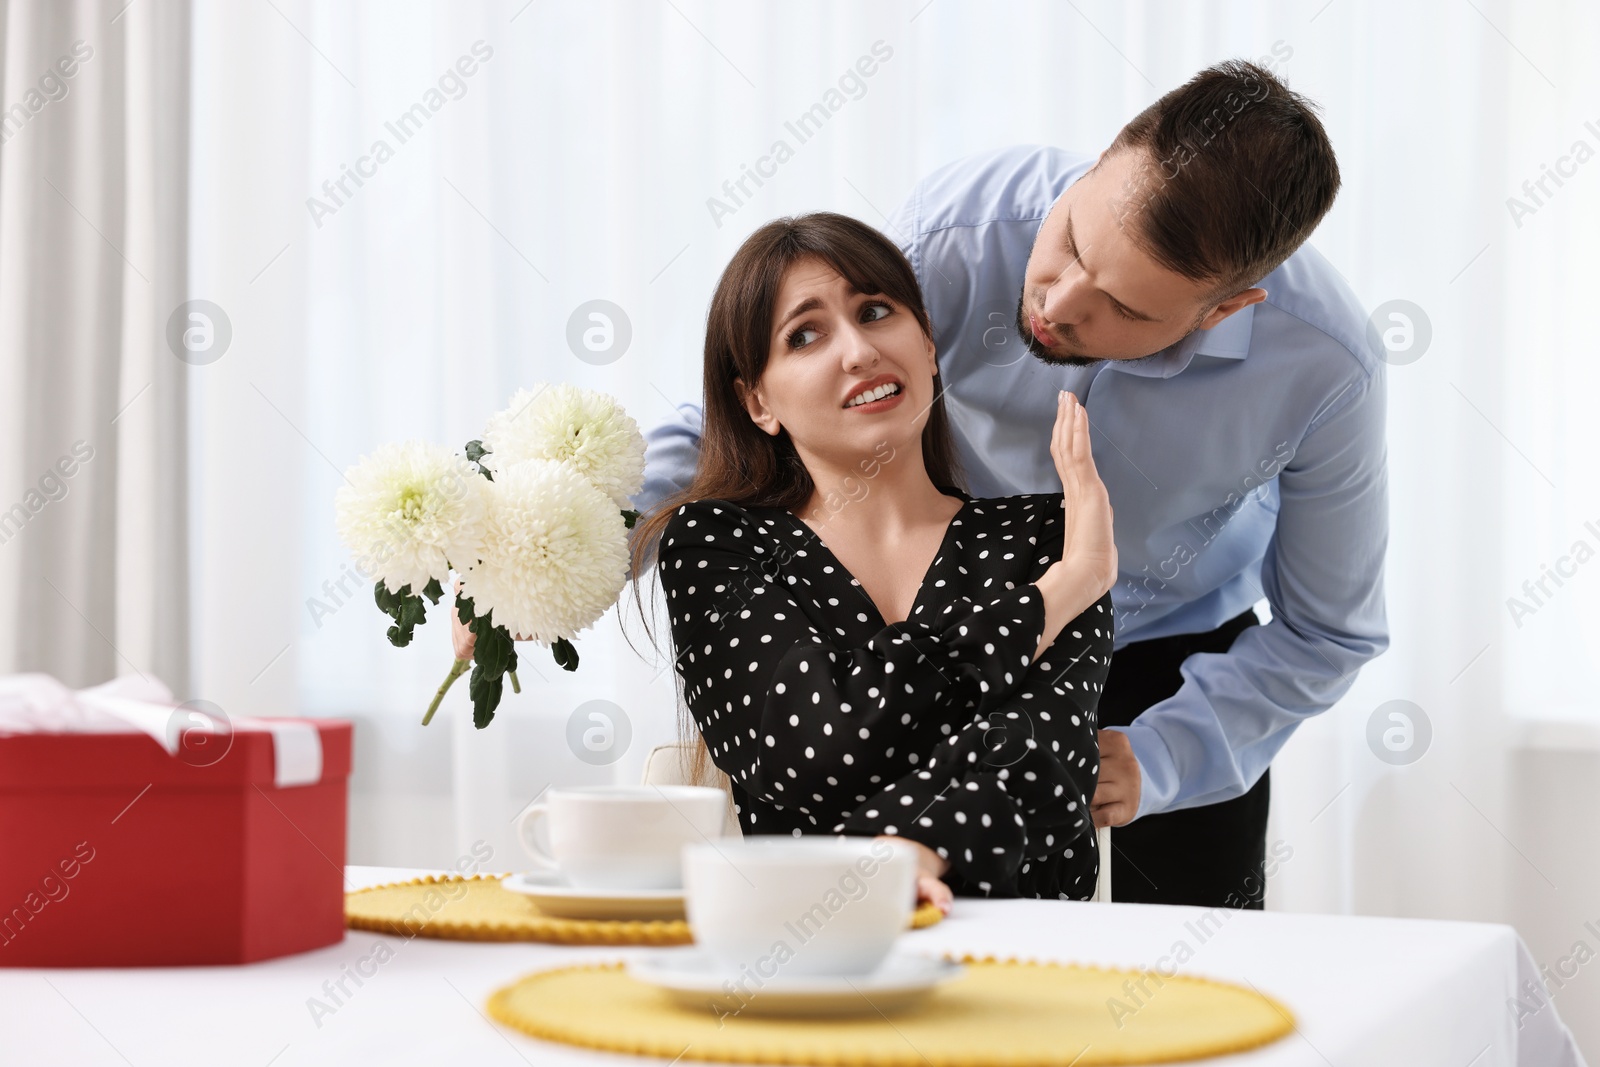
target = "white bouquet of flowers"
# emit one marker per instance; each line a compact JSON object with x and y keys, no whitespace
{"x":533,"y":520}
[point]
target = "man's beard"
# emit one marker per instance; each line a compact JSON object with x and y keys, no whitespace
{"x":1039,"y":351}
{"x":1049,"y":359}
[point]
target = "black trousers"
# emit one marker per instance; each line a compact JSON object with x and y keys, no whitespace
{"x":1210,"y":856}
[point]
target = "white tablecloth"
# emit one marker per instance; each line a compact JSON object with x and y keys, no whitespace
{"x":1367,"y":992}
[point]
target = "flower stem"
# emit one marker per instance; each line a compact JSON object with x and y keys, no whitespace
{"x":457,"y":668}
{"x":516,"y":686}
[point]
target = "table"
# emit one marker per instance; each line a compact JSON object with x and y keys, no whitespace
{"x":1368,"y":992}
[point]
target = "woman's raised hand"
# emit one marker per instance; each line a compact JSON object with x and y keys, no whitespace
{"x":1087,"y":543}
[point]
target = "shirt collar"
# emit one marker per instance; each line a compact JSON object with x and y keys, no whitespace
{"x":1228,"y":339}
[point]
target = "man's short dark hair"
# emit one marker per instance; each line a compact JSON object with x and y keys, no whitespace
{"x":1237,"y":172}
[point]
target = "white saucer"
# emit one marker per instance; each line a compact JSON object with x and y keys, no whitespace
{"x":554,"y":896}
{"x":694,"y":981}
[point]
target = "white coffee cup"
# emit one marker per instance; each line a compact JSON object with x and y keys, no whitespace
{"x":798,"y":906}
{"x":621,"y":836}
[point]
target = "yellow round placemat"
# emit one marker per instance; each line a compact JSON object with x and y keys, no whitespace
{"x":480,"y":909}
{"x":1002,"y":1012}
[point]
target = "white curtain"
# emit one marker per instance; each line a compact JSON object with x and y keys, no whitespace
{"x":93,"y":223}
{"x":576,"y":162}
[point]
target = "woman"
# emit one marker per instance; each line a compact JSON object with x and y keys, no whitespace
{"x":864,"y":648}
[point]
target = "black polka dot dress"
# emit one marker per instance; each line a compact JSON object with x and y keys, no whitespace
{"x":942,"y":728}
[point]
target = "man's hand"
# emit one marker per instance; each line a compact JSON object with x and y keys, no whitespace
{"x":1116,"y":797}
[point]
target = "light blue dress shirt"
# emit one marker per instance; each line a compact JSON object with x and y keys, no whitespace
{"x":1244,"y":461}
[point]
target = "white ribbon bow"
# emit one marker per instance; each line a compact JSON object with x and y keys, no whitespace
{"x":38,"y":703}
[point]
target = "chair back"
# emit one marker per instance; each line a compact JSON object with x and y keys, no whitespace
{"x":672,"y":765}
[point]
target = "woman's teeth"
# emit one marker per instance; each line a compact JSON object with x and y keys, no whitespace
{"x":870,"y":395}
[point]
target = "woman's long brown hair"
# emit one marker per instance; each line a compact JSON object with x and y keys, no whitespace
{"x":740,"y":462}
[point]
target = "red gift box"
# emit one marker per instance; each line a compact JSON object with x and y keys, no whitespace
{"x":115,"y":852}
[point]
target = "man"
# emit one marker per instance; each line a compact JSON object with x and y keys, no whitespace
{"x":1237,"y":407}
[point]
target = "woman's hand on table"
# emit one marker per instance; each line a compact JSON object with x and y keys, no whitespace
{"x":930,"y":869}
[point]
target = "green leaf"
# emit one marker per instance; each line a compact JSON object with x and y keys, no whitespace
{"x":387,"y":601}
{"x":629,"y":518}
{"x":566,"y":656}
{"x":405,"y":608}
{"x":433,"y":591}
{"x":485,"y":688}
{"x":475,"y":454}
{"x":494,"y":653}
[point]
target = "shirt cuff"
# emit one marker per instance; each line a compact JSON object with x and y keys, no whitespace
{"x":1158,"y":774}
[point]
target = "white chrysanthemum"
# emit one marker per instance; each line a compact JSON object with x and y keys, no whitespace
{"x":408,"y":511}
{"x":556,"y":552}
{"x":587,"y":429}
